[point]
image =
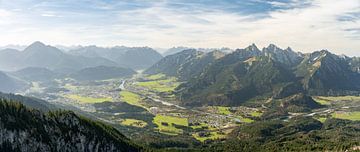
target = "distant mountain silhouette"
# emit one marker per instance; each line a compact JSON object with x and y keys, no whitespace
{"x":44,"y":56}
{"x":132,"y":57}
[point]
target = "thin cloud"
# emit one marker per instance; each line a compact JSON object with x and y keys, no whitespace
{"x":4,"y":13}
{"x":50,"y":15}
{"x":304,"y":25}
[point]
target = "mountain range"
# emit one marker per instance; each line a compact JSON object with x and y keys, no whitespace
{"x":184,"y":65}
{"x":277,"y":82}
{"x":46,"y":56}
{"x":40,"y":62}
{"x":251,"y":74}
{"x":131,"y":57}
{"x":178,"y":49}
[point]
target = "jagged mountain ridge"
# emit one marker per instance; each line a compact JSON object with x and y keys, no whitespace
{"x":250,"y":73}
{"x":328,"y":74}
{"x":286,"y":56}
{"x":232,"y":84}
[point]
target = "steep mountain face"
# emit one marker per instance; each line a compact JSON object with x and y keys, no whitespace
{"x":22,"y":129}
{"x":185,"y":64}
{"x":240,"y":76}
{"x":10,"y":84}
{"x":218,"y":79}
{"x":249,"y":74}
{"x":41,"y":55}
{"x":328,"y":74}
{"x":287,"y":56}
{"x":239,"y":55}
{"x":133,"y":57}
{"x":228,"y":83}
{"x":102,"y":73}
{"x":170,"y":64}
{"x":35,"y":74}
{"x":195,"y":67}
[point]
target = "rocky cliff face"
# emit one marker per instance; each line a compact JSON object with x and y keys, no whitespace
{"x":287,"y":56}
{"x":27,"y":130}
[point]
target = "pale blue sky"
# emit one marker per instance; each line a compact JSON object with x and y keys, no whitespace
{"x":305,"y":25}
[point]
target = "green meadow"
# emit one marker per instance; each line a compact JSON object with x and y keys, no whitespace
{"x":134,"y":123}
{"x":130,"y":98}
{"x":160,"y":83}
{"x":170,"y":129}
{"x":326,"y":100}
{"x":210,"y":135}
{"x":156,"y":76}
{"x":355,"y":116}
{"x":82,"y":99}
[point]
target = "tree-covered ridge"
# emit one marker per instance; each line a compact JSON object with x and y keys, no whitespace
{"x":297,"y":134}
{"x":24,"y":129}
{"x":29,"y":102}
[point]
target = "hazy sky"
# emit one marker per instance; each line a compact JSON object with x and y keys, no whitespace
{"x":304,"y":25}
